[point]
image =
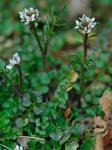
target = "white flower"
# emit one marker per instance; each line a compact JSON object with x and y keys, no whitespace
{"x":29,"y":15}
{"x":85,"y":24}
{"x":18,"y":147}
{"x":16,"y":58}
{"x":13,"y":61}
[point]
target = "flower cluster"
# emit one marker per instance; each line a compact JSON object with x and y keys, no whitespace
{"x":29,"y":15}
{"x":18,"y":147}
{"x":85,"y":24}
{"x":14,"y":61}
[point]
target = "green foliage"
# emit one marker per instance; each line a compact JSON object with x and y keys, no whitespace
{"x":37,"y":108}
{"x":87,"y":144}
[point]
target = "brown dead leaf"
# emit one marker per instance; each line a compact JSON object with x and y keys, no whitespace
{"x":107,"y":139}
{"x":100,"y":127}
{"x":99,"y":142}
{"x":8,"y":44}
{"x":99,"y":124}
{"x":106,"y":104}
{"x":103,"y":134}
{"x":67,"y":112}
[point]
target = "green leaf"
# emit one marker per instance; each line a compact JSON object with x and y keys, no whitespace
{"x":26,"y":100}
{"x":37,"y":110}
{"x":39,"y":99}
{"x":87,"y":144}
{"x":65,"y":138}
{"x":42,"y":89}
{"x":43,"y":78}
{"x":19,"y":122}
{"x":42,"y":132}
{"x":2,"y":65}
{"x":71,"y":146}
{"x":56,"y":135}
{"x":38,"y":122}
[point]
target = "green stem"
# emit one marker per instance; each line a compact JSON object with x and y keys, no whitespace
{"x":44,"y":61}
{"x":32,"y":137}
{"x":43,"y":51}
{"x":85,"y":40}
{"x":45,"y":54}
{"x":82,"y":80}
{"x":36,"y":37}
{"x":5,"y":147}
{"x":20,"y":78}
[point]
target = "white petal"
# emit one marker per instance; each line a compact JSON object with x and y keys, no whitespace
{"x":89,"y":31}
{"x":9,"y":66}
{"x":26,"y":23}
{"x":20,"y":13}
{"x":26,"y":11}
{"x":28,"y":18}
{"x":16,"y":58}
{"x":31,"y":9}
{"x":87,"y":19}
{"x":93,"y":19}
{"x":22,"y":20}
{"x":17,"y":147}
{"x":12,"y":62}
{"x":77,"y":22}
{"x":33,"y":17}
{"x":76,"y":27}
{"x":21,"y":148}
{"x":85,"y":30}
{"x":83,"y":17}
{"x":15,"y":55}
{"x":93,"y":25}
{"x":90,"y":24}
{"x":37,"y":12}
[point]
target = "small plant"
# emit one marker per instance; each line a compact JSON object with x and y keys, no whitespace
{"x":81,"y":64}
{"x":43,"y":37}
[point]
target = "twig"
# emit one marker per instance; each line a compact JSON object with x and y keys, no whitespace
{"x":32,"y":137}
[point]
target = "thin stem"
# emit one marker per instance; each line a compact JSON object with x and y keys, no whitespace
{"x":82,"y":80}
{"x":45,"y":54}
{"x":43,"y":51}
{"x":36,"y":37}
{"x":46,"y":46}
{"x":20,"y":78}
{"x":32,"y":137}
{"x":85,"y":40}
{"x":5,"y":147}
{"x":44,"y":61}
